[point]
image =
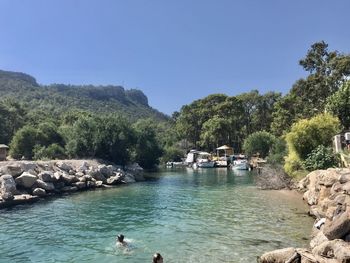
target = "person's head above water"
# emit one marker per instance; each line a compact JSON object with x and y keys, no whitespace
{"x":157,"y":258}
{"x":120,"y":238}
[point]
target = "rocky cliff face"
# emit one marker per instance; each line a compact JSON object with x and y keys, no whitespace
{"x":23,"y":181}
{"x":328,"y":194}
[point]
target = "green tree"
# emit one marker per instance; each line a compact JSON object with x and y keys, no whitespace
{"x":259,"y":142}
{"x":306,"y":135}
{"x":147,"y":148}
{"x":339,"y":105}
{"x":23,"y":143}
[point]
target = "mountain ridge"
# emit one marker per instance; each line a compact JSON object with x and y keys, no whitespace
{"x":132,"y":103}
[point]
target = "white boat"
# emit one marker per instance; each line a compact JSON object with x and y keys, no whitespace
{"x":203,"y":160}
{"x":241,"y":163}
{"x":205,"y":163}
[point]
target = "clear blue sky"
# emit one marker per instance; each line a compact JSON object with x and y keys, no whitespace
{"x":175,"y":51}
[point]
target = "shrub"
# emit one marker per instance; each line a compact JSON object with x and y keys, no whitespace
{"x":307,"y":135}
{"x":259,"y":142}
{"x":320,"y":158}
{"x":53,"y":151}
{"x":23,"y":142}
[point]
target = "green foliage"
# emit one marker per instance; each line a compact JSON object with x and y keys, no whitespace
{"x":339,"y":105}
{"x":278,"y":152}
{"x":219,"y":119}
{"x":147,"y":147}
{"x":307,"y":135}
{"x":23,"y":142}
{"x":320,"y":158}
{"x":172,"y":154}
{"x":259,"y":142}
{"x":51,"y":152}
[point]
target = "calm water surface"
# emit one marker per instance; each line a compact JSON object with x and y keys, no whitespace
{"x":209,"y":215}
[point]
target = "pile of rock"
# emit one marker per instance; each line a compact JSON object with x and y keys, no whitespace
{"x":24,"y":181}
{"x":328,"y":194}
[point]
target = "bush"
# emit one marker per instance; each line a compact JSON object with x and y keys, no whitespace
{"x":23,"y":142}
{"x":277,"y":152}
{"x":53,"y":151}
{"x":259,"y":142}
{"x":307,"y":135}
{"x":172,"y":154}
{"x":320,"y":158}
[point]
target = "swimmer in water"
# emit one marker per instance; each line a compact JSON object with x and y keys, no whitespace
{"x":157,"y":258}
{"x":121,"y":241}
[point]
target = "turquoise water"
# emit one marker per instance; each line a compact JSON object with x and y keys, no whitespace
{"x":209,"y":215}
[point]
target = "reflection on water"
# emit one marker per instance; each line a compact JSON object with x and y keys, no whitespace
{"x":203,"y":215}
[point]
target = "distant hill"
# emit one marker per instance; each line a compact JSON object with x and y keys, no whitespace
{"x":59,"y":97}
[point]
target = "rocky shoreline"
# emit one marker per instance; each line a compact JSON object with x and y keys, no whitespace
{"x":327,"y":192}
{"x":28,"y":181}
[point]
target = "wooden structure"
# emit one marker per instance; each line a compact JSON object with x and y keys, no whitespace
{"x":3,"y":152}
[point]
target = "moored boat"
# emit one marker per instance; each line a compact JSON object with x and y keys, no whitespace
{"x":240,"y":163}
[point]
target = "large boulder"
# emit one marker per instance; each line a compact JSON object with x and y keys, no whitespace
{"x":29,"y":166}
{"x":105,"y":170}
{"x":136,"y":170}
{"x":7,"y":184}
{"x":69,"y":179}
{"x":277,"y":256}
{"x":116,"y":179}
{"x":39,"y":192}
{"x":46,"y":176}
{"x":337,"y":249}
{"x":84,"y":167}
{"x":328,"y":177}
{"x":96,"y":173}
{"x":12,"y":169}
{"x":80,"y":185}
{"x":64,"y":166}
{"x":48,"y":186}
{"x":26,"y":180}
{"x":129,"y":178}
{"x":339,"y":227}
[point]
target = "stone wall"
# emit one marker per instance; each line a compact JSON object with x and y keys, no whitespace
{"x":24,"y":181}
{"x":327,"y":192}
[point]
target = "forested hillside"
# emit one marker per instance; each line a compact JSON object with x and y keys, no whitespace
{"x":56,"y":98}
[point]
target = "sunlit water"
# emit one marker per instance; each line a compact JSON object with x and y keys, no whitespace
{"x":209,"y":215}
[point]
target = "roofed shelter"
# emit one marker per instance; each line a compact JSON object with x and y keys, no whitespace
{"x":3,"y":152}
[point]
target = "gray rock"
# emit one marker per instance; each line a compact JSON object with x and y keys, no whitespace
{"x":28,"y":166}
{"x":7,"y":184}
{"x":64,"y":166}
{"x":99,"y":183}
{"x":83,"y":167}
{"x":79,"y":174}
{"x":26,"y":180}
{"x":117,"y":179}
{"x":129,"y":178}
{"x":277,"y":256}
{"x":80,"y":185}
{"x":7,"y":196}
{"x":15,"y":170}
{"x":69,"y":179}
{"x":46,"y":176}
{"x":344,"y":177}
{"x":39,"y":192}
{"x":59,"y":185}
{"x":48,"y":186}
{"x":337,"y":249}
{"x":57,"y":176}
{"x":95,"y":173}
{"x":105,"y":170}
